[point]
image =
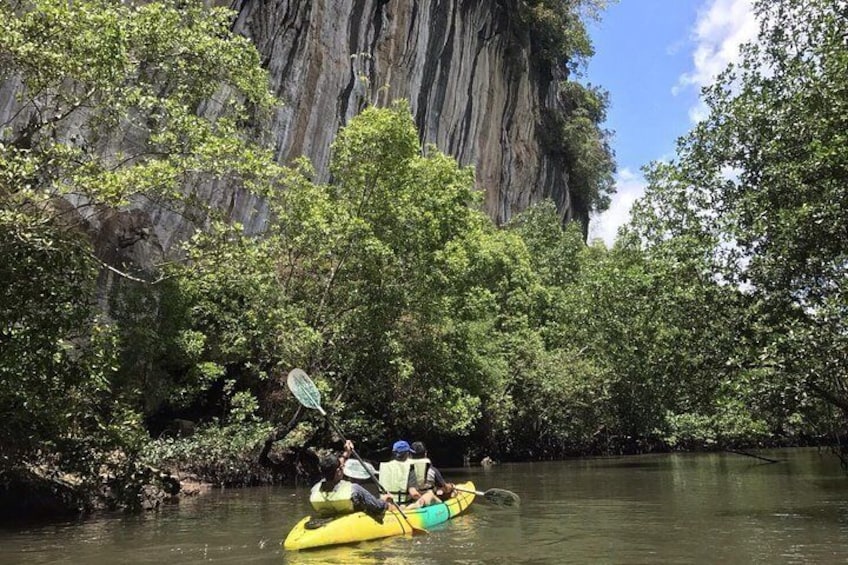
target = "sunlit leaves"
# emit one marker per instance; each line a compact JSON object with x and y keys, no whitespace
{"x":90,"y":68}
{"x":115,"y":103}
{"x":558,"y":30}
{"x":757,"y":198}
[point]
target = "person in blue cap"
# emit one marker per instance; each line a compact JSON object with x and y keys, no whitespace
{"x":400,"y":479}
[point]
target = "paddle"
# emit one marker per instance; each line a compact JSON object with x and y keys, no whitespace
{"x":356,"y":470}
{"x":308,"y":394}
{"x":499,"y":496}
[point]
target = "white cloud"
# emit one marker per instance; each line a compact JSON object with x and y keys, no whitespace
{"x":699,"y":112}
{"x":722,"y":26}
{"x":629,"y":187}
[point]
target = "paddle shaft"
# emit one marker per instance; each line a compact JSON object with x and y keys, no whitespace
{"x":499,"y":496}
{"x":469,"y":491}
{"x":353,"y":451}
{"x":380,"y":487}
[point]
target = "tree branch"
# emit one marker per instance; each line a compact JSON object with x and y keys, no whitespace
{"x":278,"y":434}
{"x":127,"y":275}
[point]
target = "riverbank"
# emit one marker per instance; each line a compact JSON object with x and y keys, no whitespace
{"x":44,"y":493}
{"x":38,"y":493}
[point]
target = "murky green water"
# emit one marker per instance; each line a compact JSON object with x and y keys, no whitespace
{"x":701,"y":508}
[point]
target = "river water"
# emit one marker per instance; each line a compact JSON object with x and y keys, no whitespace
{"x":680,"y":508}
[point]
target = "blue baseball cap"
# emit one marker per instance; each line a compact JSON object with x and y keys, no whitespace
{"x":401,"y":446}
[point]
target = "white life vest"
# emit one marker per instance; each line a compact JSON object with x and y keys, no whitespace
{"x":394,"y":476}
{"x":332,"y":502}
{"x":421,"y":467}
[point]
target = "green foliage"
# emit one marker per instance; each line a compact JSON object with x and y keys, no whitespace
{"x":637,"y":344}
{"x":586,"y":146}
{"x":573,"y":133}
{"x":415,"y":315}
{"x":350,"y":277}
{"x":222,"y":453}
{"x":571,"y":130}
{"x":557,"y":28}
{"x":758,"y":193}
{"x":697,"y":431}
{"x":554,"y":251}
{"x":53,"y":345}
{"x":179,"y":87}
{"x":90,"y":67}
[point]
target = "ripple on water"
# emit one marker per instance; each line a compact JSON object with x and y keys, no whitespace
{"x":665,"y":509}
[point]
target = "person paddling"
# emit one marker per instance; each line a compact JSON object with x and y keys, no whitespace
{"x":333,"y":495}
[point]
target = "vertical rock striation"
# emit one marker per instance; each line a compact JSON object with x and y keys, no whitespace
{"x":466,"y":70}
{"x":465,"y":66}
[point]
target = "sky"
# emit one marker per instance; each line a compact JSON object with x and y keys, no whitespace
{"x":653,"y":57}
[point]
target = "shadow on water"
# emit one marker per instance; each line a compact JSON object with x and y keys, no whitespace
{"x":630,"y":464}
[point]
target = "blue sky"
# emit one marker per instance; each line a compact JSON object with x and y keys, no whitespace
{"x":653,"y":57}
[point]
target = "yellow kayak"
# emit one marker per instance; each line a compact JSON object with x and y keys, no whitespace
{"x":358,"y":526}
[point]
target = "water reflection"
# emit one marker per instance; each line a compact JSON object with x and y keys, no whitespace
{"x":430,"y":549}
{"x":704,"y":508}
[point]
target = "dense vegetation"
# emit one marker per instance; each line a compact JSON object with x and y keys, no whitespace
{"x":756,"y":200}
{"x":572,"y":126}
{"x":82,"y":72}
{"x":717,"y":320}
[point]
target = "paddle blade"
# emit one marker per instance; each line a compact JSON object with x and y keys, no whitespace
{"x":304,"y":389}
{"x":501,"y":497}
{"x":356,"y":469}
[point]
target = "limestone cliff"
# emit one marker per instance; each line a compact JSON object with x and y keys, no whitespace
{"x":463,"y":65}
{"x":476,"y":89}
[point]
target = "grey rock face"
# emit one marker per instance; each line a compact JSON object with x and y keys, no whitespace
{"x":464,"y":66}
{"x":466,"y":72}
